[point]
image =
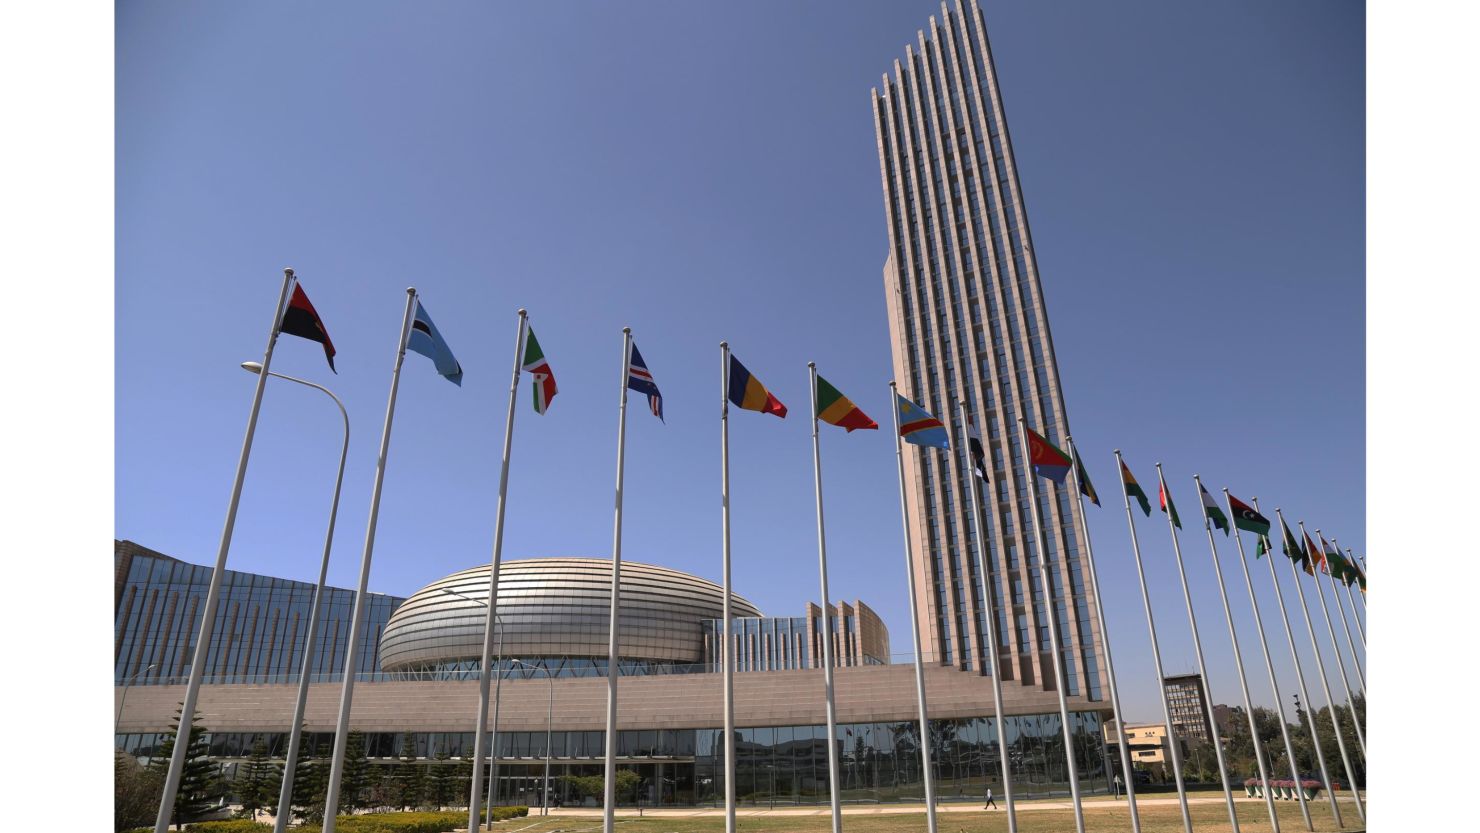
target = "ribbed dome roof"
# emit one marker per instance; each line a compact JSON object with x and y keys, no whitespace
{"x":556,"y":607}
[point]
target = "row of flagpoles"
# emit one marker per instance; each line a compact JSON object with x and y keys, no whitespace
{"x":295,"y":315}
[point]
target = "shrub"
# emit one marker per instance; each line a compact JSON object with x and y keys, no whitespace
{"x":230,"y":826}
{"x":1251,"y":782}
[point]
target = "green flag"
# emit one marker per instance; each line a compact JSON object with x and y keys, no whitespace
{"x":1210,"y":507}
{"x":1263,"y":547}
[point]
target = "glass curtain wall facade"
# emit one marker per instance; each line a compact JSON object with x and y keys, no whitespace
{"x":967,"y":321}
{"x":260,"y":630}
{"x":880,"y":762}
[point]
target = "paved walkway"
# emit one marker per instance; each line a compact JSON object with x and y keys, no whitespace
{"x":1095,"y":803}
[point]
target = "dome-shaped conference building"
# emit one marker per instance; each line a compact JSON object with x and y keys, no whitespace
{"x":417,"y":685}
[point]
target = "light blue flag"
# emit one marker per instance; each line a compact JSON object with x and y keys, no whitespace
{"x":917,"y":426}
{"x":427,"y":341}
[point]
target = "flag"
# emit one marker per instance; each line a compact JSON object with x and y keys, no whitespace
{"x":540,"y":374}
{"x":748,"y":393}
{"x":302,"y":320}
{"x":425,"y":339}
{"x":1085,"y":486}
{"x":978,"y":451}
{"x":834,"y":408}
{"x":1169,"y":507}
{"x":918,"y":427}
{"x":1247,"y":518}
{"x":1314,"y":555}
{"x":1133,"y":489}
{"x":1047,"y":460}
{"x":1215,"y":514}
{"x":1360,"y":575}
{"x":1263,"y":547}
{"x":1292,"y":549}
{"x":1340,"y":567}
{"x":640,"y":380}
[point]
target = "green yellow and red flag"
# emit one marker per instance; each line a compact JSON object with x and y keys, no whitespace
{"x":834,"y":408}
{"x":1133,"y":489}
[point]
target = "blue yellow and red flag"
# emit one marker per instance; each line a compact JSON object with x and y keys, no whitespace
{"x":747,"y":392}
{"x":918,"y":427}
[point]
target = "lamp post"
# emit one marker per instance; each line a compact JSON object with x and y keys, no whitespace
{"x":549,"y":719}
{"x":497,"y":690}
{"x":122,"y":698}
{"x":295,"y":735}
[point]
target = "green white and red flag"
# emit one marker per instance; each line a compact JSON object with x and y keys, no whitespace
{"x":540,"y":374}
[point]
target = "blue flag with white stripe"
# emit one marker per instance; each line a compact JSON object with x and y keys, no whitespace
{"x":640,"y":380}
{"x":425,"y":339}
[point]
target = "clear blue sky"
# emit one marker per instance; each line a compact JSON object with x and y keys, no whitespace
{"x":1194,"y":179}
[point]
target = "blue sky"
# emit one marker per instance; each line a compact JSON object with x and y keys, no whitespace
{"x":1194,"y":181}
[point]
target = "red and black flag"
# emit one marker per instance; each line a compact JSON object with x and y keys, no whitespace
{"x":303,"y":320}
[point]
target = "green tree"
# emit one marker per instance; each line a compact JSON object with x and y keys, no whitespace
{"x":441,"y":780}
{"x":259,"y":781}
{"x":407,"y":783}
{"x":135,"y":793}
{"x":355,"y":779}
{"x":310,"y":780}
{"x":199,"y":785}
{"x":627,"y":784}
{"x":463,"y":780}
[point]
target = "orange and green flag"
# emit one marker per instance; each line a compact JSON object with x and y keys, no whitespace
{"x":1133,"y":489}
{"x":836,"y":409}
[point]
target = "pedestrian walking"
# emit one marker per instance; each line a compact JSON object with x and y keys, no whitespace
{"x":1118,"y":785}
{"x":991,"y":803}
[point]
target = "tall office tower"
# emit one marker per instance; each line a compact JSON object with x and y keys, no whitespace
{"x":967,"y":321}
{"x":1188,"y":702}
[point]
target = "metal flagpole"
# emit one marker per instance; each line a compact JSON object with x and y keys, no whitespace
{"x":1202,"y":667}
{"x":213,"y":593}
{"x":826,"y":635}
{"x":352,"y":656}
{"x":1336,"y":652}
{"x":498,"y":690}
{"x":295,"y":735}
{"x":1238,"y":660}
{"x":1166,"y":708}
{"x":1094,"y":586}
{"x":1351,"y":597}
{"x":1053,"y":625}
{"x":1325,"y":686}
{"x":609,"y":790}
{"x":1274,"y":685}
{"x":1315,"y":740}
{"x":988,"y":600}
{"x":909,"y":568}
{"x":726,"y":640}
{"x":1351,"y":644}
{"x":489,"y":620}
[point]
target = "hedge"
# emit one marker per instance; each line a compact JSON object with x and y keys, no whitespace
{"x":367,"y":823}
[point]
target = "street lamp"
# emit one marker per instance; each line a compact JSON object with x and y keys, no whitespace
{"x":295,"y":736}
{"x":498,"y":688}
{"x":549,"y":718}
{"x":124,"y":697}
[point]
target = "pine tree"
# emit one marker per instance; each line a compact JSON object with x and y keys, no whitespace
{"x":440,"y":780}
{"x":259,"y":782}
{"x":355,"y":779}
{"x":407,"y":783}
{"x":309,"y":783}
{"x":462,"y":781}
{"x":198,"y":783}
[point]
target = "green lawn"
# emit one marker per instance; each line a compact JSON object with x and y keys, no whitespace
{"x":1099,"y":817}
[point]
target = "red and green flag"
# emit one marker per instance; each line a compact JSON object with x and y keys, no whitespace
{"x":834,"y":408}
{"x":1247,"y":518}
{"x":1168,"y":507}
{"x":1046,"y":458}
{"x":1313,"y":556}
{"x":542,"y":378}
{"x":1133,"y":489}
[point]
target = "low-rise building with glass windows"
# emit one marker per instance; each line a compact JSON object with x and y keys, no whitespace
{"x":423,"y":692}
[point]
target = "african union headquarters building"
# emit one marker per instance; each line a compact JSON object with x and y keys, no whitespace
{"x":966,"y":321}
